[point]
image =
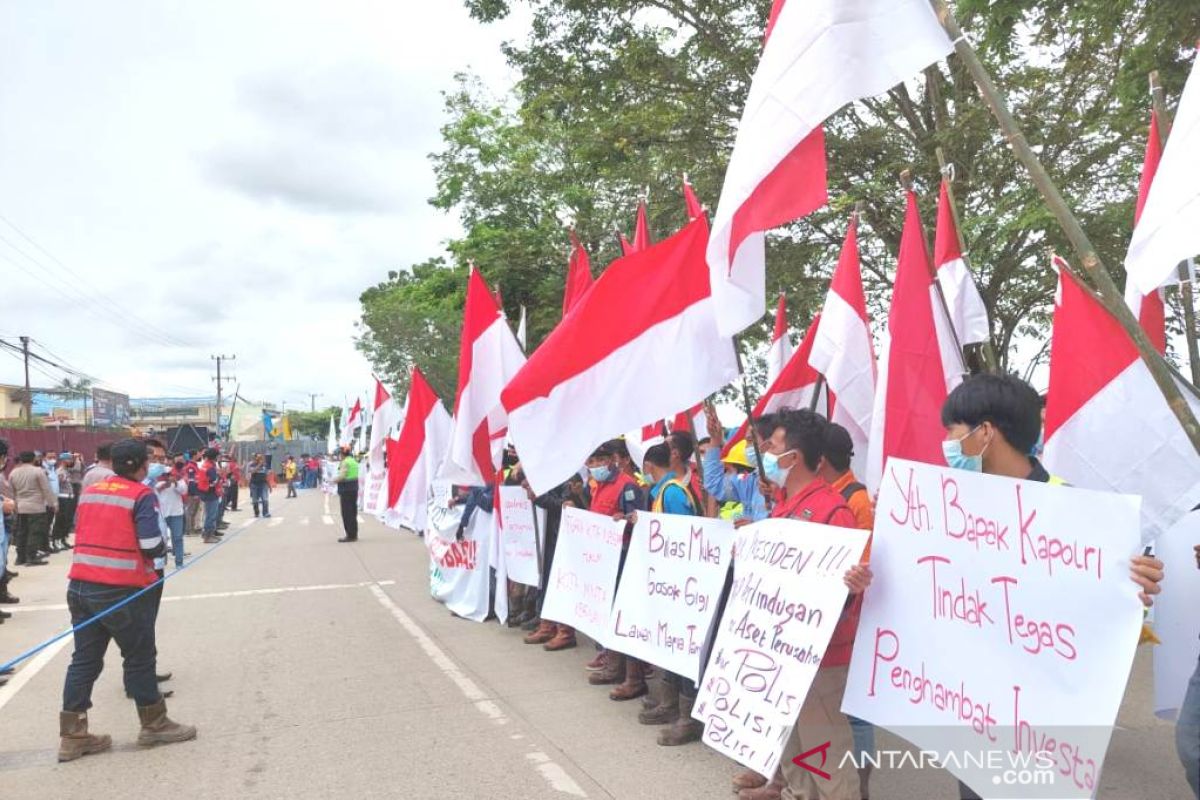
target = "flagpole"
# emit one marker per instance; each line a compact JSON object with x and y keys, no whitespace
{"x":906,"y":182}
{"x":751,"y":431}
{"x":1158,"y":102}
{"x":986,"y":351}
{"x":1110,"y":297}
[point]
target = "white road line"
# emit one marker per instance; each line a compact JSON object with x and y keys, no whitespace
{"x":275,"y":522}
{"x":26,"y":673}
{"x":554,"y":774}
{"x":324,"y":587}
{"x":304,"y":520}
{"x":360,"y":519}
{"x":325,"y":518}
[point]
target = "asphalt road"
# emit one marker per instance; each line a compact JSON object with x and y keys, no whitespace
{"x":315,"y":669}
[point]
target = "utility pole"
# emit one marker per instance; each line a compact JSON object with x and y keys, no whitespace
{"x":28,"y":390}
{"x":219,"y":379}
{"x":312,"y":396}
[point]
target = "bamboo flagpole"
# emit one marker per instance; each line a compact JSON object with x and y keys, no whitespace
{"x":1159,"y":103}
{"x":1093,"y":266}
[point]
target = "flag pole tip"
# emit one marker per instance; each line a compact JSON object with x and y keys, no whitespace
{"x":906,"y":179}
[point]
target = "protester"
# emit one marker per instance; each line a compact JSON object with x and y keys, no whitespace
{"x":117,"y":515}
{"x":232,"y":490}
{"x":35,"y":502}
{"x":65,"y":517}
{"x":289,"y":475}
{"x":734,"y":480}
{"x":8,"y":508}
{"x":260,"y":490}
{"x":207,"y":478}
{"x":101,"y":469}
{"x":171,"y":489}
{"x":1187,"y":727}
{"x":347,"y":489}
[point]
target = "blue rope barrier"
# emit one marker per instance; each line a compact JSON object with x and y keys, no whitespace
{"x":33,"y":651}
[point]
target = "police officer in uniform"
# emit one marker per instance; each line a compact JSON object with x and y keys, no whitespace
{"x":347,"y":489}
{"x":117,"y":542}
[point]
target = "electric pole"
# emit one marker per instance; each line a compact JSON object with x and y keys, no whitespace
{"x":313,"y":400}
{"x":219,"y":379}
{"x":28,"y":390}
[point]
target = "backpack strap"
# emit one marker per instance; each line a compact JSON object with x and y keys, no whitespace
{"x":851,"y":489}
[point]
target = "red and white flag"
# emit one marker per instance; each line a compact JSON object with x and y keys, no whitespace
{"x":1108,"y":426}
{"x":1148,"y":308}
{"x":642,"y":344}
{"x":489,"y":356}
{"x":353,"y":420}
{"x":793,"y":388}
{"x":641,"y":229}
{"x":1168,"y":230}
{"x":384,"y":416}
{"x":907,"y":419}
{"x":694,"y":207}
{"x":821,"y":55}
{"x":968,"y":314}
{"x":780,"y":350}
{"x":843,"y":352}
{"x":579,"y":275}
{"x":416,"y":454}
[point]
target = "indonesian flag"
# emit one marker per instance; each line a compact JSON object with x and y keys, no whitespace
{"x":1168,"y":230}
{"x":579,"y":275}
{"x":694,"y":207}
{"x":968,"y":314}
{"x":489,"y":357}
{"x":641,"y":230}
{"x":780,"y":350}
{"x":792,"y":389}
{"x":821,"y":55}
{"x":627,"y":249}
{"x":383,"y":418}
{"x":843,"y":351}
{"x":642,"y":344}
{"x":1108,"y":426}
{"x":906,"y":421}
{"x":1148,"y":308}
{"x":352,"y":421}
{"x":414,"y":457}
{"x":638,"y":441}
{"x":691,"y":421}
{"x":331,"y":439}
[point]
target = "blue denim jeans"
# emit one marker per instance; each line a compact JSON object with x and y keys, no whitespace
{"x":260,"y":494}
{"x":175,"y":526}
{"x":864,"y":735}
{"x":1187,"y":732}
{"x":212,"y":509}
{"x":131,"y":626}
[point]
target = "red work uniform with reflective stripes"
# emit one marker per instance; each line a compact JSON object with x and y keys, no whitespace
{"x":610,"y":497}
{"x":107,"y":548}
{"x":818,"y":502}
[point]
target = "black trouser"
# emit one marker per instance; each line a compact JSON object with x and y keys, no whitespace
{"x":348,"y":495}
{"x":31,"y":530}
{"x":64,"y":518}
{"x":231,"y":495}
{"x":132,"y":626}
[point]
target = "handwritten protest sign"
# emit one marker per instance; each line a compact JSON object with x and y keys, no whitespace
{"x":1001,"y":624}
{"x":579,"y":591}
{"x":1175,"y":615}
{"x":518,"y":530}
{"x":786,"y":599}
{"x":669,"y":590}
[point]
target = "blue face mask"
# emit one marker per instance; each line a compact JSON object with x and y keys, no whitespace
{"x":156,"y":471}
{"x":957,"y":459}
{"x":771,"y":469}
{"x":601,"y":474}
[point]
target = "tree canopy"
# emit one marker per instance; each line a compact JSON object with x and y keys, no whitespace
{"x":619,"y":98}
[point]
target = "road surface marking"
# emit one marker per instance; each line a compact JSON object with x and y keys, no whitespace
{"x":27,"y":673}
{"x":321,"y":587}
{"x":325,"y":518}
{"x":360,"y":519}
{"x":554,"y":774}
{"x":304,"y":520}
{"x":275,"y":522}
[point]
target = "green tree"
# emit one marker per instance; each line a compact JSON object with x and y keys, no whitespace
{"x":313,"y":423}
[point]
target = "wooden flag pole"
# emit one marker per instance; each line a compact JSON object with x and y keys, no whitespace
{"x":906,"y":182}
{"x":986,"y":352}
{"x":1186,"y":296}
{"x":1094,"y":267}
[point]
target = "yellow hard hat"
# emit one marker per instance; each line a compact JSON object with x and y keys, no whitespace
{"x":737,"y":456}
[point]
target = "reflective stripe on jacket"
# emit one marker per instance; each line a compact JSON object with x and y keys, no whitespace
{"x":107,"y":550}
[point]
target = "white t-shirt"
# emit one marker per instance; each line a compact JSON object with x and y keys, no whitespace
{"x":170,"y":499}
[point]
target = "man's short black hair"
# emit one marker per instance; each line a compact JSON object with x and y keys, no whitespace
{"x":212,"y":453}
{"x":620,"y":449}
{"x":153,"y":442}
{"x":804,"y":432}
{"x":683,"y":443}
{"x":104,"y":452}
{"x":128,"y":456}
{"x":765,"y":425}
{"x":659,"y":455}
{"x":603,"y":451}
{"x":839,"y":449}
{"x":1006,"y":401}
{"x":26,"y":456}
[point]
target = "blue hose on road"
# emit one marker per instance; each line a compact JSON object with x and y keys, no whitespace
{"x":33,"y":651}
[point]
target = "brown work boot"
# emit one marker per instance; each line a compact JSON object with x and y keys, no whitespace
{"x":748,"y":780}
{"x":768,"y":791}
{"x":564,"y":639}
{"x":157,"y":727}
{"x":667,"y":709}
{"x":209,"y":539}
{"x":75,"y":740}
{"x":612,"y":672}
{"x":544,"y":633}
{"x":683,"y":730}
{"x":634,"y":685}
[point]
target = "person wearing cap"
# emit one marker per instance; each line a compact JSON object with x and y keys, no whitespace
{"x":117,"y":542}
{"x":733,"y":480}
